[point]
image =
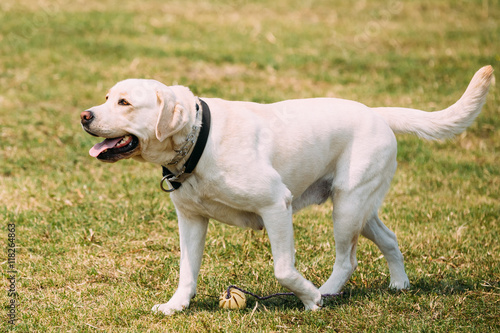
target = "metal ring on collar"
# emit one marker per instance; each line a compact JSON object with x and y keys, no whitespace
{"x":170,"y":188}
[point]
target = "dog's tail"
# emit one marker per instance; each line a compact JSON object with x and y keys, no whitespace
{"x":445,"y":123}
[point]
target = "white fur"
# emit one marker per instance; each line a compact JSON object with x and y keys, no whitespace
{"x":264,"y":162}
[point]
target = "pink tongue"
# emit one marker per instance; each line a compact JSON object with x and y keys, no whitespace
{"x":100,"y":147}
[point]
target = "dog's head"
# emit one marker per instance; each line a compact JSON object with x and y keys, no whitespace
{"x":137,"y":119}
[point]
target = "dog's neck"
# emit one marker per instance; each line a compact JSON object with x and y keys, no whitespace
{"x":163,"y":152}
{"x":194,"y":145}
{"x":183,"y":143}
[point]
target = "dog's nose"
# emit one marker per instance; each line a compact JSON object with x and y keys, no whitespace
{"x":86,"y":117}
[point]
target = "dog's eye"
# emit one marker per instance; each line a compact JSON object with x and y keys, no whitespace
{"x":123,"y":102}
{"x":107,"y":97}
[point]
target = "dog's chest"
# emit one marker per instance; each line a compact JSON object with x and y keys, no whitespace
{"x":207,"y":206}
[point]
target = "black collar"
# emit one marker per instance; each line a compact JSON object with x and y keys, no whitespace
{"x":173,"y":181}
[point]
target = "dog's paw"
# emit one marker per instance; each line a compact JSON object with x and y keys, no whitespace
{"x":400,"y":284}
{"x":314,"y":305}
{"x":169,"y":308}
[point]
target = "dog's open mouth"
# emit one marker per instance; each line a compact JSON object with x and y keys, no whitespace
{"x":111,"y":150}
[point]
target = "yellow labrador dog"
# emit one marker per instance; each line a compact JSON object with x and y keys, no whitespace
{"x":254,"y":165}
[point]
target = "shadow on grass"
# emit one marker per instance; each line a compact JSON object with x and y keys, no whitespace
{"x":351,"y":295}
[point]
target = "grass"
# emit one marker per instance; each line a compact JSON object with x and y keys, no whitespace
{"x":98,"y":243}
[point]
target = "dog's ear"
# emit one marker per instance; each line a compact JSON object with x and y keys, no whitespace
{"x":172,"y":116}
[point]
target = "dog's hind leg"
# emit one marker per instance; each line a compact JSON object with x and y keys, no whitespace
{"x":376,"y":231}
{"x":352,"y":210}
{"x":347,"y":225}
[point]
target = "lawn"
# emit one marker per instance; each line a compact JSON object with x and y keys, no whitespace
{"x":97,"y":244}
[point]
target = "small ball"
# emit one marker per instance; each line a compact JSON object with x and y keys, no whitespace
{"x":237,"y":300}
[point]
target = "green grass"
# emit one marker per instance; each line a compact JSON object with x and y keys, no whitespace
{"x":98,"y":243}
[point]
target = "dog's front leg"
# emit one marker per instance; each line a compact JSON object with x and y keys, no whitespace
{"x":278,"y":222}
{"x":192,"y":233}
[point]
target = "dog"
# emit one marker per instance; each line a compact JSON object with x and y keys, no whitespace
{"x":260,"y":163}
